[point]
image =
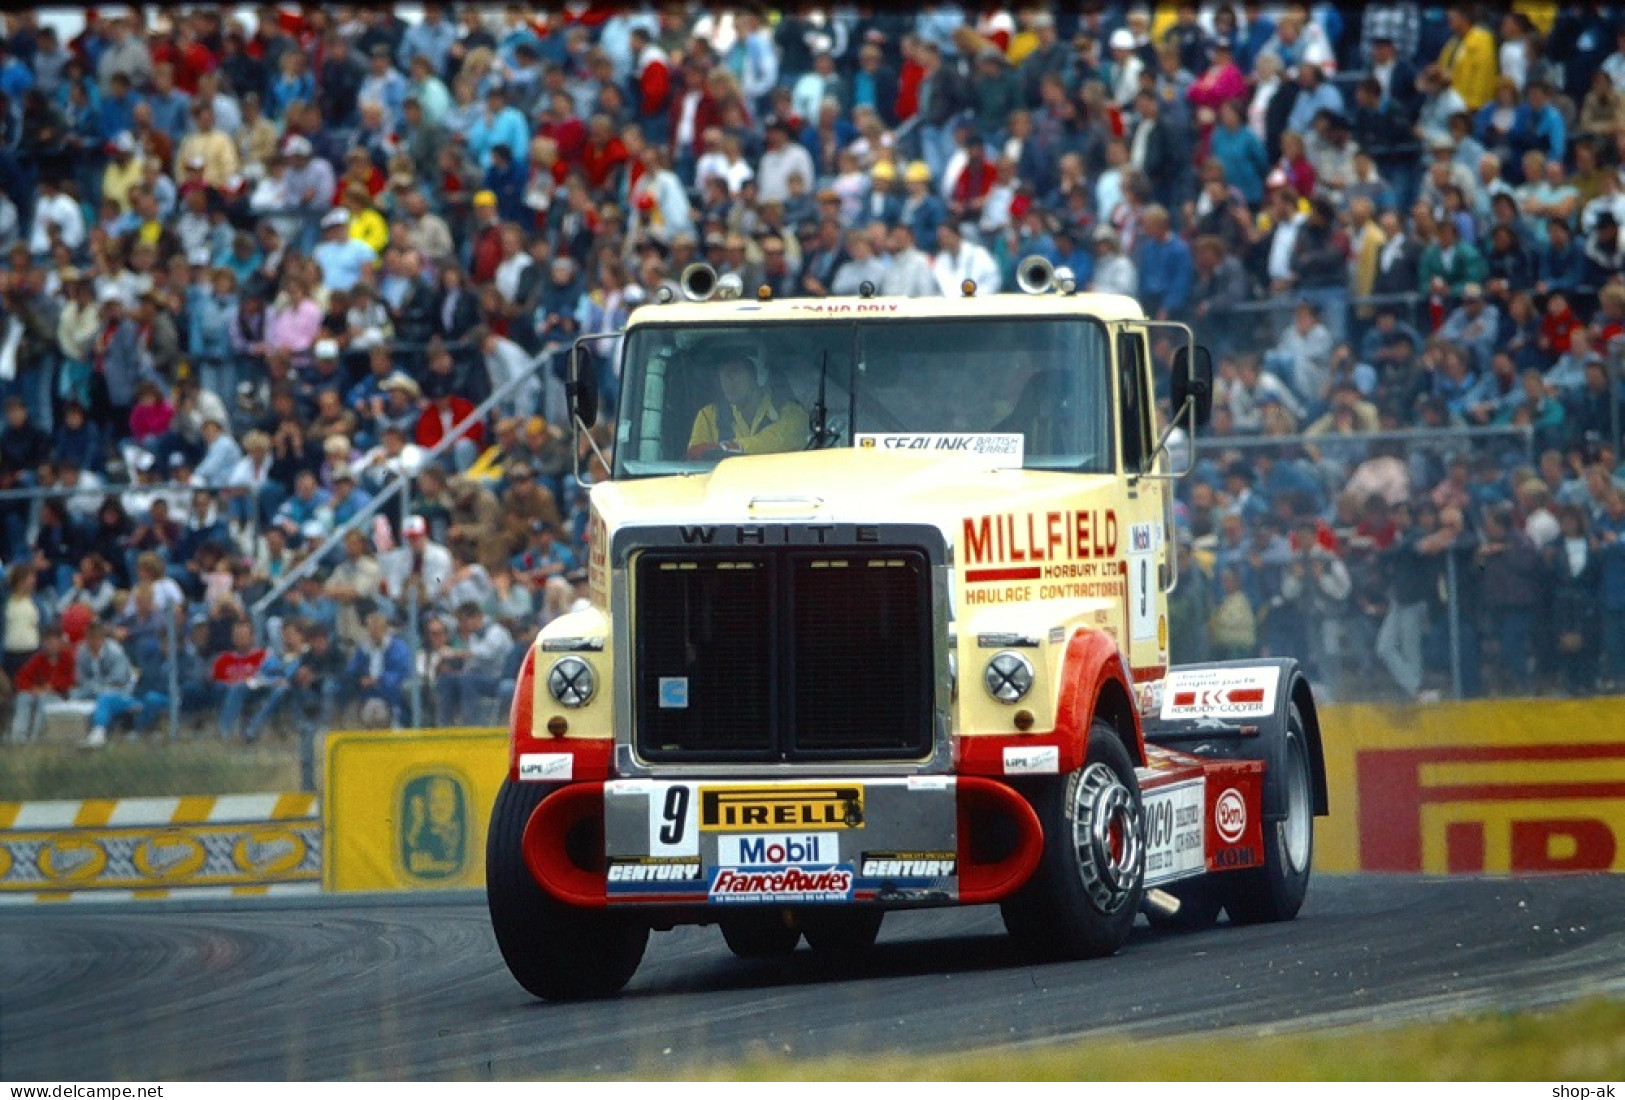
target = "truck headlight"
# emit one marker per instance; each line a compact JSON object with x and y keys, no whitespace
{"x":571,"y":682}
{"x":1008,"y":676}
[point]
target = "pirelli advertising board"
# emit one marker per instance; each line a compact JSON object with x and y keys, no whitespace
{"x":1503,"y":787}
{"x":407,"y":810}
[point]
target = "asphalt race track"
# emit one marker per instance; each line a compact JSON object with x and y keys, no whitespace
{"x":388,"y":989}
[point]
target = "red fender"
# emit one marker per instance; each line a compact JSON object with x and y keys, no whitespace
{"x":592,"y":755}
{"x":1092,"y":663}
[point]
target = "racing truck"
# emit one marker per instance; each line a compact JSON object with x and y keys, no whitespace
{"x":877,"y":619}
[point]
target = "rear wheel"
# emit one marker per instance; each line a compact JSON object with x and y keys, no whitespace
{"x":1275,"y":891}
{"x":1082,"y":900}
{"x":556,"y":951}
{"x":842,"y":931}
{"x":763,"y":935}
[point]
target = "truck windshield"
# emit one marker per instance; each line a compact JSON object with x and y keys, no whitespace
{"x":1037,"y":387}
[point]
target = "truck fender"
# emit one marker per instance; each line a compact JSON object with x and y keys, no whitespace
{"x":1196,"y":718}
{"x":1094,"y":682}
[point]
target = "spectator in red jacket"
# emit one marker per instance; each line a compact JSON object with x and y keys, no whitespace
{"x":604,"y":152}
{"x":652,"y":85}
{"x":45,"y":678}
{"x":236,"y":676}
{"x":486,"y":253}
{"x":444,"y":411}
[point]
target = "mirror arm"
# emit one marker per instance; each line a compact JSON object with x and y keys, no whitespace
{"x":1189,"y":407}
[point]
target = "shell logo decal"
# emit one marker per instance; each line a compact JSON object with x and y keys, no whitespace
{"x":169,"y":855}
{"x":71,"y":859}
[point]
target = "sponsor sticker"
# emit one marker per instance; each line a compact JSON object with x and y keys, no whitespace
{"x":1037,"y":760}
{"x":1220,"y":693}
{"x":1005,"y":448}
{"x":778,"y":849}
{"x":674,"y":693}
{"x":1174,"y":844}
{"x":1230,"y":816}
{"x":645,"y":871}
{"x":754,"y":809}
{"x":908,"y":865}
{"x":540,"y":767}
{"x":731,"y":885}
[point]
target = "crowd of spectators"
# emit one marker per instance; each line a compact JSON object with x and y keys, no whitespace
{"x":258,"y":270}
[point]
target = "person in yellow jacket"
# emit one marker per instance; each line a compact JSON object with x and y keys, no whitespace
{"x":213,"y":146}
{"x":367,"y":225}
{"x":123,"y":170}
{"x":1469,"y":60}
{"x":747,"y":420}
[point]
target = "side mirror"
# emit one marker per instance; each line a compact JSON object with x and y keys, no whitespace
{"x":1193,"y":380}
{"x":582,"y":389}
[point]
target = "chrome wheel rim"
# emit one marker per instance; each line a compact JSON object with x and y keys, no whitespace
{"x":1106,"y":837}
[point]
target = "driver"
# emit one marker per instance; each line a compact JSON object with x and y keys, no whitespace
{"x":747,"y":420}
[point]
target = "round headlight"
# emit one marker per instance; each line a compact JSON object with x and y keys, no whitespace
{"x":1008,"y":676}
{"x":571,"y":682}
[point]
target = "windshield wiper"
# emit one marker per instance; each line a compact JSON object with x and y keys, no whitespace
{"x":821,"y":436}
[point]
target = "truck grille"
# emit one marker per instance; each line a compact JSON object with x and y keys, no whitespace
{"x":783,"y":655}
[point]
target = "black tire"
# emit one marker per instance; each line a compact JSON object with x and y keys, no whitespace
{"x":1082,"y":900}
{"x":1275,"y":891}
{"x":842,"y":931}
{"x":760,"y":935}
{"x":1200,"y":902}
{"x":557,"y":952}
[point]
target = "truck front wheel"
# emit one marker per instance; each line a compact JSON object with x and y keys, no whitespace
{"x":1082,"y":900}
{"x":557,"y":952}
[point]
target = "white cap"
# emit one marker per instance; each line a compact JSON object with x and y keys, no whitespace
{"x":110,"y":294}
{"x":124,"y":141}
{"x":333,"y":218}
{"x":1122,"y":39}
{"x":327,"y":349}
{"x":414,"y":525}
{"x":198,"y":257}
{"x":297,"y":146}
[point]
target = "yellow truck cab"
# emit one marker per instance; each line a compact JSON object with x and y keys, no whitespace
{"x":878,"y":621}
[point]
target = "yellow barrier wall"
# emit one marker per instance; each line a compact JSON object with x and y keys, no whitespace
{"x":1504,"y":786}
{"x":407,"y":810}
{"x":237,"y":845}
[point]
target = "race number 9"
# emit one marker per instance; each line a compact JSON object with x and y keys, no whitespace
{"x":673,"y":830}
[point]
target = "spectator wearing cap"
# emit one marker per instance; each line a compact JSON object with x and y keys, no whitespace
{"x":123,"y":170}
{"x":342,"y":258}
{"x":419,"y":565}
{"x":1604,"y":255}
{"x":1114,"y":272}
{"x":1474,"y":324}
{"x":921,"y":209}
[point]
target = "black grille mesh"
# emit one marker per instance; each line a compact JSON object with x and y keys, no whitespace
{"x":789,"y":654}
